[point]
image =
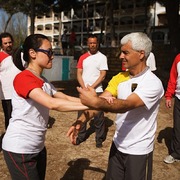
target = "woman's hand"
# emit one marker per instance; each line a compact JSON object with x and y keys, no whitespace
{"x":110,"y":99}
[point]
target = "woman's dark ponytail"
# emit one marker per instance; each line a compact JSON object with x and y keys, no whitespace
{"x":17,"y":58}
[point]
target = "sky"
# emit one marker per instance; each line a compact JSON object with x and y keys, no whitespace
{"x":17,"y":20}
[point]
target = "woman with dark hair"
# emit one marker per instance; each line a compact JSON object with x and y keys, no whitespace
{"x":33,"y":97}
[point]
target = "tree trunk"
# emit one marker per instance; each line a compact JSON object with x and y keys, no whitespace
{"x":32,"y":16}
{"x":112,"y":27}
{"x":101,"y":41}
{"x":172,"y":11}
{"x":9,"y":18}
{"x":59,"y":39}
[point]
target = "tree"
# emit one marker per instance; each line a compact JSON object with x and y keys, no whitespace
{"x":172,"y":11}
{"x":17,"y":26}
{"x":11,"y":7}
{"x":32,"y":15}
{"x":172,"y":14}
{"x":111,"y":21}
{"x":30,"y":7}
{"x":20,"y":28}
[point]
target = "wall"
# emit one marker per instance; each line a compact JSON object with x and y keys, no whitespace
{"x":63,"y":68}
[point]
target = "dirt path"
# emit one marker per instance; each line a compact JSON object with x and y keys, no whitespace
{"x":86,"y":162}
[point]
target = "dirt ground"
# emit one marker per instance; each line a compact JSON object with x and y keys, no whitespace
{"x":86,"y":162}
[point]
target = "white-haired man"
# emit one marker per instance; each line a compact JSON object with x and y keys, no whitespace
{"x":138,"y":92}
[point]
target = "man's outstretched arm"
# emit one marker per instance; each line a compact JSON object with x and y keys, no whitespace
{"x":90,"y":99}
{"x":76,"y":126}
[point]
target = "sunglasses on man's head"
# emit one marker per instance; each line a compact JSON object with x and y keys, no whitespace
{"x":49,"y":52}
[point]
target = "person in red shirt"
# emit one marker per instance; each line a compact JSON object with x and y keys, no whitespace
{"x":7,"y":73}
{"x":173,"y":89}
{"x":72,"y":40}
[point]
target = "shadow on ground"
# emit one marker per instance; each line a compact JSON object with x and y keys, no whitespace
{"x":77,"y":168}
{"x":166,"y":134}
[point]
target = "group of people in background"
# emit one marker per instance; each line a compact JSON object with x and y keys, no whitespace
{"x":68,"y":42}
{"x":128,"y":94}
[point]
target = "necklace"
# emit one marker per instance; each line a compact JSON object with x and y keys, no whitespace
{"x":34,"y":72}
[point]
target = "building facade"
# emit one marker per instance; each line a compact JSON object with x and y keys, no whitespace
{"x":96,"y":17}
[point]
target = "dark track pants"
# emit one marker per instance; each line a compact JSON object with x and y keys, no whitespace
{"x":7,"y":108}
{"x":128,"y":167}
{"x":26,"y":166}
{"x":175,"y":143}
{"x":99,"y":124}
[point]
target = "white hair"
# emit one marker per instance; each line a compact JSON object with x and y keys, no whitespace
{"x":140,"y":41}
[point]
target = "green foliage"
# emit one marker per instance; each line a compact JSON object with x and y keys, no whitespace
{"x":17,"y":27}
{"x":15,"y":6}
{"x":63,"y":5}
{"x":28,"y":7}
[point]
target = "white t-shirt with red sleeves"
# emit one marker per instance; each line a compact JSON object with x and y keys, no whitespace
{"x":173,"y":87}
{"x":28,"y":125}
{"x":7,"y":73}
{"x":92,"y":64}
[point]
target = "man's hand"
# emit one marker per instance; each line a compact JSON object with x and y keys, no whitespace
{"x":168,"y":103}
{"x":73,"y":131}
{"x":88,"y":96}
{"x":75,"y":128}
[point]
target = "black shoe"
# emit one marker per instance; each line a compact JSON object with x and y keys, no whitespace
{"x":99,"y":144}
{"x":78,"y":141}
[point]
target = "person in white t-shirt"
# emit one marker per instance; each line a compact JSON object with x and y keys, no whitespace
{"x":7,"y":73}
{"x":138,"y":92}
{"x":91,"y":70}
{"x":33,"y":96}
{"x":151,"y":62}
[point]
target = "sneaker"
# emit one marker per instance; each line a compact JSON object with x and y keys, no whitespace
{"x":169,"y":159}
